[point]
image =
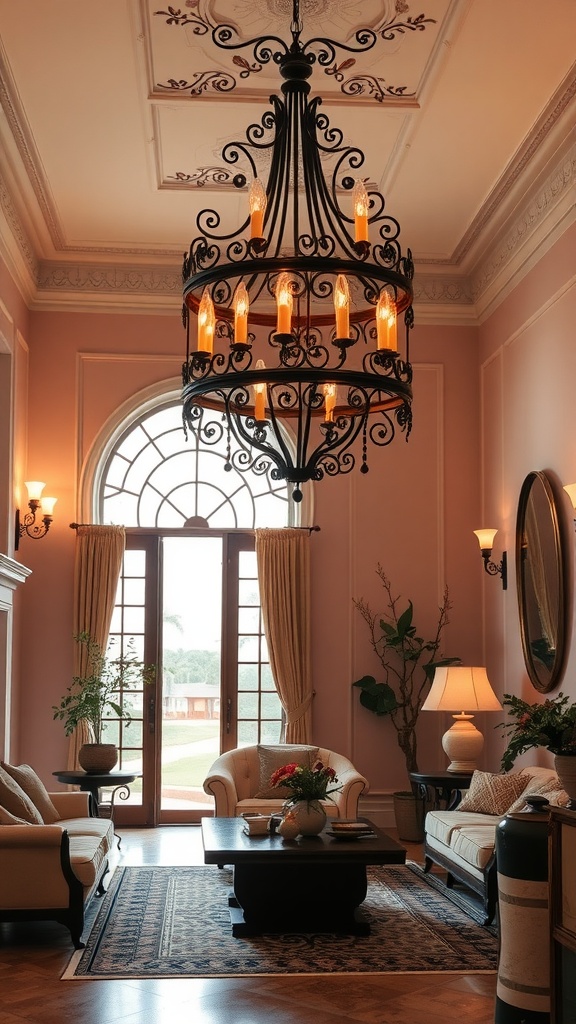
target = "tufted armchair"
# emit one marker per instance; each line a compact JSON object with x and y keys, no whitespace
{"x":235,"y":778}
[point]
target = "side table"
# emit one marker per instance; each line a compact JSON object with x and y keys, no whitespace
{"x":444,"y":789}
{"x":93,"y":782}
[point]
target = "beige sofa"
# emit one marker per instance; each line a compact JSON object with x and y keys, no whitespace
{"x":51,"y":871}
{"x":463,"y":841}
{"x":236,"y":777}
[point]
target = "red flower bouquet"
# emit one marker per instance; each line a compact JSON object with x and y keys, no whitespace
{"x":306,"y":783}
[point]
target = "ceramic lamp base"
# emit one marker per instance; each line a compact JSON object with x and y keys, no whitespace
{"x":463,"y":744}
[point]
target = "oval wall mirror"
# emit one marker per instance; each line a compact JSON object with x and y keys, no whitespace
{"x":541,"y":582}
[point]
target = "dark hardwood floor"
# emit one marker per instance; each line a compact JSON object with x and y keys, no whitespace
{"x":33,"y":956}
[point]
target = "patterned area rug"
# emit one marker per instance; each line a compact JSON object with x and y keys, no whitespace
{"x":165,"y":922}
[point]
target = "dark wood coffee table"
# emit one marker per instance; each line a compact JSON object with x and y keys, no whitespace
{"x":313,"y":884}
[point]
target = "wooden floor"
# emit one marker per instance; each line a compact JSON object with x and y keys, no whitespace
{"x":33,"y":956}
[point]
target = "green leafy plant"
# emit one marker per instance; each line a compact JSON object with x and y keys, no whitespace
{"x":408,"y":662}
{"x":89,"y":697}
{"x":306,"y":783}
{"x":550,"y":724}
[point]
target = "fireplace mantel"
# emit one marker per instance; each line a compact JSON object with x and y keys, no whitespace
{"x":12,"y":575}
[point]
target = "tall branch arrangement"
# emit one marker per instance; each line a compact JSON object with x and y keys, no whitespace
{"x":408,"y":662}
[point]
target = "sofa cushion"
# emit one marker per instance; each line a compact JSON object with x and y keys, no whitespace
{"x":272,"y":758}
{"x":87,"y":857}
{"x":16,"y":802}
{"x":97,"y":828}
{"x":35,"y":789}
{"x":444,"y":824}
{"x":475,"y":844}
{"x":492,"y":794}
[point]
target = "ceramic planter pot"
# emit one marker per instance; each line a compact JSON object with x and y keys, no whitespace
{"x":98,"y":757}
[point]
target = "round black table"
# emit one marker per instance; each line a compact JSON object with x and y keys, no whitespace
{"x":446,"y":787}
{"x":93,"y":782}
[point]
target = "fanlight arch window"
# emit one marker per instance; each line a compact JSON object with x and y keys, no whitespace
{"x":152,"y":476}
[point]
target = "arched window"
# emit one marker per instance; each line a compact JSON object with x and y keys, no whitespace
{"x":153,"y":476}
{"x":188,"y":594}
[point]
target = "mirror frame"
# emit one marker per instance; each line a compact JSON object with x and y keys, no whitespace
{"x":553,"y":522}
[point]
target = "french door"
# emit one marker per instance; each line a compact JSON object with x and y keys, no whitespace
{"x":189,"y":601}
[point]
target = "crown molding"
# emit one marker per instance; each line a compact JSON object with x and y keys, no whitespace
{"x":445,"y":291}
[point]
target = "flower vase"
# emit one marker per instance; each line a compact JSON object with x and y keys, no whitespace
{"x":310,"y":817}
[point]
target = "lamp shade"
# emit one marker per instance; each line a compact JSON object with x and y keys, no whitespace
{"x":461,"y":688}
{"x":485,"y":538}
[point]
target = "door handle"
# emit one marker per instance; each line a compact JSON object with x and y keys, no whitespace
{"x":228,"y":714}
{"x":151,"y":715}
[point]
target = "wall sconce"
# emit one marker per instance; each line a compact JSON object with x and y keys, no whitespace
{"x":28,"y":524}
{"x":571,"y":492}
{"x":485,"y":540}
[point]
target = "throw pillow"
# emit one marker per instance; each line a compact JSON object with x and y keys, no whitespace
{"x":35,"y":789}
{"x":271,"y":758}
{"x":16,"y":802}
{"x":492,"y":794}
{"x":10,"y":819}
{"x":550,"y":788}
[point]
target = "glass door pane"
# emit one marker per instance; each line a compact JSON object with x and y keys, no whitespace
{"x":191,"y":591}
{"x":259,"y":711}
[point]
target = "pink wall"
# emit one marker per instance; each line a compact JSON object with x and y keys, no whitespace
{"x":527,"y":373}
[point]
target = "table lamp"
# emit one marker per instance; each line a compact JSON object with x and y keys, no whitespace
{"x":464,"y":689}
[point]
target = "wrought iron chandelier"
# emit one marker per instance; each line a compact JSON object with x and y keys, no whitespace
{"x":297,"y":311}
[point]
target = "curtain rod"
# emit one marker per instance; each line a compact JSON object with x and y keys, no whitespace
{"x":173,"y":530}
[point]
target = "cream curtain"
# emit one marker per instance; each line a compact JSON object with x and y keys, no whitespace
{"x":283,"y":558}
{"x":99,"y":553}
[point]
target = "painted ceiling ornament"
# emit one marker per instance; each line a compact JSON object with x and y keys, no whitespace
{"x":245,"y":17}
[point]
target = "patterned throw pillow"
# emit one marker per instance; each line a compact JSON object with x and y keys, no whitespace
{"x":35,"y":789}
{"x":16,"y":802}
{"x":492,"y":794}
{"x":271,"y":758}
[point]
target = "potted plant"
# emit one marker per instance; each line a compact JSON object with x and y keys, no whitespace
{"x":90,"y":697}
{"x":408,"y":662}
{"x":550,"y":724}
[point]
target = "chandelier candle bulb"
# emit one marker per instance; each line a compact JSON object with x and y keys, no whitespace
{"x":342,"y":307}
{"x":284,"y":305}
{"x":241,"y":307}
{"x":206,"y":323}
{"x":330,"y":391}
{"x":259,"y":393}
{"x":392,"y":331}
{"x":257,"y":203}
{"x":361,"y":204}
{"x":383,"y":320}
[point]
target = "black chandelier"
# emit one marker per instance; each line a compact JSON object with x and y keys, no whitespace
{"x":297,"y":310}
